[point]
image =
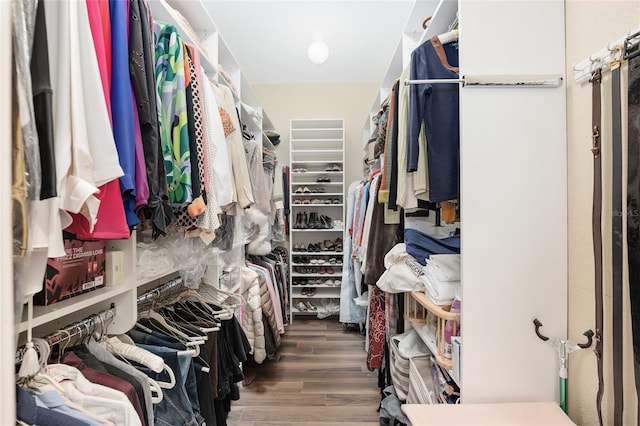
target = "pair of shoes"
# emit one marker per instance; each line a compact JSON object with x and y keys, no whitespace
{"x":317,"y":261}
{"x":336,"y":201}
{"x":297,"y":201}
{"x":316,"y":201}
{"x":327,"y":201}
{"x":301,"y":306}
{"x":300,"y":170}
{"x":306,"y":201}
{"x":299,"y":247}
{"x":333,"y":168}
{"x":301,"y":221}
{"x":323,"y":179}
{"x":308,"y":292}
{"x":302,"y":190}
{"x":324,"y":270}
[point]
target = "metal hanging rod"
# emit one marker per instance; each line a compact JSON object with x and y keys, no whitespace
{"x":170,"y":288}
{"x":82,"y":328}
{"x":497,"y":81}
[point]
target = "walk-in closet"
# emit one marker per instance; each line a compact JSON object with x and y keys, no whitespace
{"x":276,"y":212}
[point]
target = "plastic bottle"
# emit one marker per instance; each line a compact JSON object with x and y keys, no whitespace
{"x":451,"y":328}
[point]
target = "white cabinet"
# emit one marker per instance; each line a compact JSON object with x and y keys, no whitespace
{"x":317,"y":215}
{"x":513,"y":192}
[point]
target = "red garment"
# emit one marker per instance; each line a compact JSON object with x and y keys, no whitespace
{"x":105,"y":379}
{"x":377,"y":328}
{"x":111,"y":221}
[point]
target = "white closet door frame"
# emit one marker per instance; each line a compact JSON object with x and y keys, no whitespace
{"x":514,"y":201}
{"x":7,"y":344}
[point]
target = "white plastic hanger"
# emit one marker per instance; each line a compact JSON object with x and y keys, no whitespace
{"x":141,"y":356}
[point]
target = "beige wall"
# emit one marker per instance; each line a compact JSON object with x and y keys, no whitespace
{"x":350,"y":102}
{"x":590,"y":26}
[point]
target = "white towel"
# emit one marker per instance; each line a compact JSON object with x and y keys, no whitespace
{"x":445,"y":267}
{"x":440,"y":292}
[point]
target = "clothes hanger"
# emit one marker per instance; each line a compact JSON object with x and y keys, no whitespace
{"x":42,"y":378}
{"x":449,"y":36}
{"x":141,"y":356}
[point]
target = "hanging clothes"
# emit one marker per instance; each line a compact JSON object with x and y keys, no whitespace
{"x":437,"y":107}
{"x":172,"y":113}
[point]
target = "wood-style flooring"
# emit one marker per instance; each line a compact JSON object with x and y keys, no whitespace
{"x":318,"y":377}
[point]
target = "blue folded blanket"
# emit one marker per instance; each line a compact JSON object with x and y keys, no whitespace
{"x":421,"y":246}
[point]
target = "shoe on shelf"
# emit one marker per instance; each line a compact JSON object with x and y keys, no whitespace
{"x":336,"y":201}
{"x":329,"y":270}
{"x":306,"y":201}
{"x":316,"y":201}
{"x":322,"y":270}
{"x":310,"y":306}
{"x":329,"y":283}
{"x":336,"y":168}
{"x":311,"y":292}
{"x":321,"y":190}
{"x":327,"y":201}
{"x":306,"y":190}
{"x":301,"y":306}
{"x":333,"y":261}
{"x":299,"y":190}
{"x":298,"y":201}
{"x":337,"y":283}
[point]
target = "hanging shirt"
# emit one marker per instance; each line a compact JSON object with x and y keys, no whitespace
{"x":110,"y":220}
{"x":437,"y":106}
{"x":122,"y":105}
{"x":219,"y":174}
{"x":143,"y":80}
{"x":172,"y":112}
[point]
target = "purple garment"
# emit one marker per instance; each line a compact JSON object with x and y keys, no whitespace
{"x":142,"y":185}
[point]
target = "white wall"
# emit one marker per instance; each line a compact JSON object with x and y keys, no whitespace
{"x":350,"y":102}
{"x":590,"y":26}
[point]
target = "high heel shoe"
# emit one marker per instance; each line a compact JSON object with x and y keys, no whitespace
{"x":303,"y":221}
{"x":298,"y":222}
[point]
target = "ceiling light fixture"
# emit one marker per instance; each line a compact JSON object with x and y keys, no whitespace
{"x":318,"y":50}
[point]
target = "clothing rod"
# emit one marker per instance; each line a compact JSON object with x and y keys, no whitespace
{"x":497,"y":81}
{"x":601,"y":59}
{"x":81,"y":328}
{"x":171,"y":287}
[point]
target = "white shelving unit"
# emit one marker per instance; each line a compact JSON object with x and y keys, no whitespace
{"x":317,"y":190}
{"x":46,"y":319}
{"x":520,"y":272}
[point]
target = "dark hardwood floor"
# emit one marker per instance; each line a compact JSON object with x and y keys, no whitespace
{"x":319,"y":377}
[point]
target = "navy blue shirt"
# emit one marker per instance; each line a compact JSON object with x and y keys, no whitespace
{"x":437,"y":106}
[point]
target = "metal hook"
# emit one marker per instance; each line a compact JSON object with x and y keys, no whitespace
{"x":589,"y":335}
{"x":538,"y":324}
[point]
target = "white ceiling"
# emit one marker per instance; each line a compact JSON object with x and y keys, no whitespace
{"x":269,"y":39}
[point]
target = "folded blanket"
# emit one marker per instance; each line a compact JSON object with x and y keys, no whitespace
{"x":445,"y":267}
{"x":422,"y":246}
{"x":440,"y":292}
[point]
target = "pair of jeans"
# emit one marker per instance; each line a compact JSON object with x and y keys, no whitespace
{"x":180,"y":404}
{"x":203,"y":393}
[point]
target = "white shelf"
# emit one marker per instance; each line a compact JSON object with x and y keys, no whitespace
{"x":316,"y":140}
{"x":317,"y":253}
{"x":317,"y":151}
{"x":316,"y":230}
{"x":317,"y":205}
{"x":429,"y":339}
{"x":317,"y":264}
{"x":315,"y":145}
{"x":316,"y":162}
{"x":309,"y":194}
{"x":45,"y":314}
{"x":317,"y":172}
{"x":328,"y":276}
{"x":314,"y":184}
{"x":318,"y":129}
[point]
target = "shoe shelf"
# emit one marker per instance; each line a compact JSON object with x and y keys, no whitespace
{"x":317,"y":164}
{"x":317,"y":230}
{"x":317,"y":253}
